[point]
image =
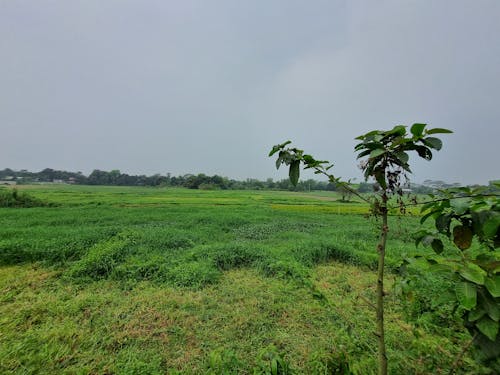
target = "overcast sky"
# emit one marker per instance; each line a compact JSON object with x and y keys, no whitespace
{"x":209,"y":86}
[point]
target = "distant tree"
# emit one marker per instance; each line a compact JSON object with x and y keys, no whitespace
{"x":365,"y":187}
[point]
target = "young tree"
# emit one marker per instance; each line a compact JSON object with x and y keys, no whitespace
{"x":386,"y":161}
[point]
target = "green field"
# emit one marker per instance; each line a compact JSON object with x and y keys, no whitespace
{"x":152,"y":281}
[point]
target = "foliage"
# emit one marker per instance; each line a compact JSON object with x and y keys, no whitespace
{"x":15,"y":199}
{"x":271,"y":362}
{"x":387,"y":162}
{"x":101,"y":259}
{"x":462,"y":216}
{"x":245,"y":256}
{"x":387,"y":152}
{"x":117,"y":178}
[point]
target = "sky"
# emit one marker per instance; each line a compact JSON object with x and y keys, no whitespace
{"x":210,"y":86}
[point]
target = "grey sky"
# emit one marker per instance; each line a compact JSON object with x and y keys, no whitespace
{"x":209,"y":86}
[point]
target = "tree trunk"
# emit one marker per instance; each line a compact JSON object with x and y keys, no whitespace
{"x":382,"y":356}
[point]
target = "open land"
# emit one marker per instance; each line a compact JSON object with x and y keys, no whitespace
{"x":119,"y":280}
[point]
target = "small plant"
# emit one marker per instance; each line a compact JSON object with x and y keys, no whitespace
{"x":271,"y":362}
{"x":223,"y":362}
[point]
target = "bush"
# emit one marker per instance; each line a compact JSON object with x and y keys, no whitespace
{"x":235,"y":256}
{"x":102,"y":258}
{"x":14,"y":199}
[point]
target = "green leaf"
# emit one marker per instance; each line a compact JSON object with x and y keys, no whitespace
{"x":279,"y":161}
{"x":276,"y":148}
{"x":491,"y":307}
{"x":443,"y":223}
{"x":437,"y":245}
{"x":476,"y":314}
{"x":490,"y":227}
{"x":462,"y":237}
{"x":380,"y":178}
{"x":364,"y":153}
{"x":432,"y":142}
{"x":398,"y":130}
{"x":473,"y":272}
{"x":438,"y":131}
{"x":419,"y":236}
{"x":466,"y":294}
{"x":427,"y":215}
{"x":488,"y":327}
{"x":377,"y":152}
{"x":492,"y":283}
{"x":294,"y":172}
{"x":402,"y":156}
{"x":424,"y":152}
{"x":417,"y":129}
{"x":460,"y":206}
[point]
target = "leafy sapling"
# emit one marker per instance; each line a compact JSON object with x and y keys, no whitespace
{"x":385,"y":159}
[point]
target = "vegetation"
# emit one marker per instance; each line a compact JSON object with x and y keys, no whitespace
{"x":461,"y":216}
{"x":117,"y":178}
{"x":199,"y":181}
{"x":14,"y":198}
{"x":387,"y":163}
{"x":142,"y":280}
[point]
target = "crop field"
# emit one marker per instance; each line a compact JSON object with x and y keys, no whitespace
{"x":118,"y":280}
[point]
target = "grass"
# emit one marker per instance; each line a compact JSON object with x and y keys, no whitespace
{"x":143,"y":280}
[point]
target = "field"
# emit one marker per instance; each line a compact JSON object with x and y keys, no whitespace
{"x":112,"y":280}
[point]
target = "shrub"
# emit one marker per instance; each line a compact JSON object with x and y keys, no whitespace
{"x":102,"y":258}
{"x":13,"y":199}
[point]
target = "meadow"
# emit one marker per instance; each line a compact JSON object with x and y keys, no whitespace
{"x":120,"y":280}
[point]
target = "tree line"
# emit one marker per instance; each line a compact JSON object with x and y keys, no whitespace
{"x":191,"y":181}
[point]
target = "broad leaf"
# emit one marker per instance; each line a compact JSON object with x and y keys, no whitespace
{"x":398,"y":130}
{"x":439,"y":131}
{"x":460,"y":206}
{"x":376,"y":152}
{"x":443,"y":223}
{"x":417,"y":129}
{"x":473,"y":272}
{"x":490,"y":227}
{"x":491,"y":307}
{"x":294,"y":172}
{"x":434,"y":143}
{"x":419,"y":236}
{"x":279,"y":161}
{"x":364,"y":153}
{"x":492,"y":283}
{"x":380,"y":178}
{"x":427,"y":215}
{"x":424,"y":152}
{"x":466,"y":294}
{"x":462,"y":237}
{"x":278,"y":147}
{"x":437,"y":245}
{"x":488,"y":327}
{"x":402,"y":156}
{"x":476,"y":314}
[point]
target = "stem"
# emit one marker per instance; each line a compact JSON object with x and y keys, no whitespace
{"x":382,"y":356}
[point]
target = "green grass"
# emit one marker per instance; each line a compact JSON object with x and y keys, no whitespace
{"x":145,"y":280}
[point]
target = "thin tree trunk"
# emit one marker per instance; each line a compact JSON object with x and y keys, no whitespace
{"x":382,"y":356}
